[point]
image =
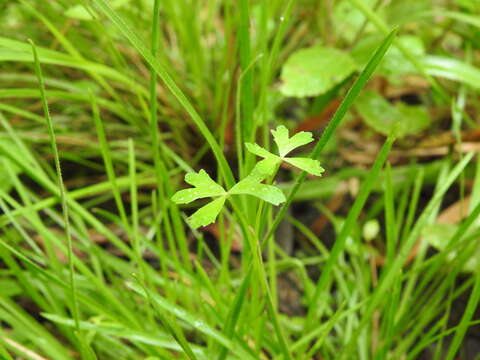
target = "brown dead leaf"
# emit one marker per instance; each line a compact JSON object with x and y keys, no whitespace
{"x":317,"y":121}
{"x":455,"y":212}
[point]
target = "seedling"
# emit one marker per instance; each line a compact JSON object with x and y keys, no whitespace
{"x":205,"y":187}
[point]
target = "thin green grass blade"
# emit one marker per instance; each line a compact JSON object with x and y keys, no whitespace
{"x":388,"y":325}
{"x":246,"y":119}
{"x":136,"y":236}
{"x":107,"y":160}
{"x":284,"y":346}
{"x":256,"y":264}
{"x":174,"y":330}
{"x":234,"y":314}
{"x":414,"y":197}
{"x":390,"y":225}
{"x":74,"y":94}
{"x":325,"y":330}
{"x":270,"y":62}
{"x":163,"y":184}
{"x":37,"y":175}
{"x":63,"y":196}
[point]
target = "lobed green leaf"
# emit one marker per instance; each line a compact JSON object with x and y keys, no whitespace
{"x":251,"y":185}
{"x":206,"y":214}
{"x":259,"y":151}
{"x":311,"y":166}
{"x":204,"y":187}
{"x":286,"y":144}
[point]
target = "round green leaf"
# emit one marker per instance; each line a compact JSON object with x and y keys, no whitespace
{"x":394,"y":64}
{"x":383,"y":117}
{"x":313,"y":71}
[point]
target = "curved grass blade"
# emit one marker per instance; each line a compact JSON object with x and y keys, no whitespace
{"x":61,"y":185}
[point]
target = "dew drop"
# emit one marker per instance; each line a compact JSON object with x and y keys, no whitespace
{"x":198,"y":324}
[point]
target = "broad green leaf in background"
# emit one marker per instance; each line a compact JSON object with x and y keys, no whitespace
{"x":348,"y":20}
{"x":406,"y":11}
{"x":11,"y":16}
{"x":383,"y":117}
{"x":285,"y":145}
{"x":394,"y":63}
{"x":439,"y":235}
{"x":469,"y":4}
{"x":473,"y":20}
{"x":453,"y":69}
{"x":315,"y":70}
